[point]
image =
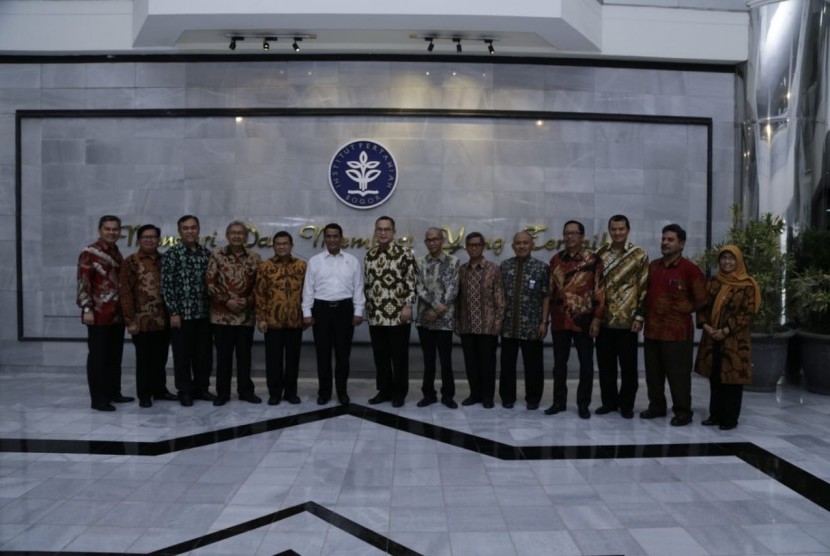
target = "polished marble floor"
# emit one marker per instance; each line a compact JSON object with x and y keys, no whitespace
{"x":305,"y":479}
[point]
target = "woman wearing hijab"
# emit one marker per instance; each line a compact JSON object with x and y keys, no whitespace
{"x":724,"y":352}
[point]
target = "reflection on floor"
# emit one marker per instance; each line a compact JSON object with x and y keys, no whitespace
{"x":306,"y":479}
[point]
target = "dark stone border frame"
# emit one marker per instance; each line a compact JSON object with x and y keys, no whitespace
{"x":22,"y":115}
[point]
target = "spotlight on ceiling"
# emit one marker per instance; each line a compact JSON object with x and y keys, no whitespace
{"x":232,"y":46}
{"x":295,"y":45}
{"x":457,"y":45}
{"x":489,"y":43}
{"x":431,"y":45}
{"x":265,"y":45}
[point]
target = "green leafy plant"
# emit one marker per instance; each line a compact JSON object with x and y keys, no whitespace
{"x":810,"y":289}
{"x":760,"y":242}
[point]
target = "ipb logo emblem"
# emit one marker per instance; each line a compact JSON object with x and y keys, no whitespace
{"x":363,"y":174}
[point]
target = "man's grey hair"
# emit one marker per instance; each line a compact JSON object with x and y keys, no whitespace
{"x":237,"y":223}
{"x":439,"y":231}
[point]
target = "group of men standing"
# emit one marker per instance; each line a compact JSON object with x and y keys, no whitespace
{"x":197,"y":299}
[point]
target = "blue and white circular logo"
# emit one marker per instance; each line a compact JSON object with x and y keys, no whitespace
{"x":363,"y":174}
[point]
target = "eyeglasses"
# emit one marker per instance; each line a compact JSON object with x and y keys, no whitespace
{"x":149,"y":237}
{"x":571,"y":234}
{"x":432,"y":239}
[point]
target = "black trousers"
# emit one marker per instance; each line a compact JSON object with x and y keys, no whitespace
{"x":617,"y":346}
{"x":724,"y":399}
{"x":282,"y":360}
{"x":584,"y":344}
{"x":103,"y":362}
{"x":532,"y":358}
{"x":192,"y":355}
{"x":150,"y":363}
{"x":672,"y":361}
{"x":480,"y":364}
{"x":230,"y":341}
{"x":437,"y":342}
{"x":333,"y":330}
{"x":390,"y":350}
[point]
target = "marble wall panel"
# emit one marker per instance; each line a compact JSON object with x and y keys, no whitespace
{"x":618,"y":180}
{"x":64,"y":128}
{"x":318,"y":95}
{"x":570,"y":101}
{"x":359,"y":74}
{"x":63,"y":99}
{"x":63,"y":151}
{"x":206,"y":97}
{"x":12,"y":99}
{"x":210,"y":75}
{"x":518,"y":99}
{"x":160,"y":97}
{"x":13,"y":352}
{"x":110,"y":99}
{"x":521,"y":76}
{"x":569,"y":78}
{"x":120,"y":75}
{"x":316,"y":72}
{"x":665,"y":156}
{"x":263,"y":98}
{"x":63,"y":76}
{"x":265,"y":75}
{"x":208,"y":176}
{"x":7,"y":201}
{"x":516,"y":203}
{"x":7,"y":127}
{"x":637,"y":81}
{"x":8,"y":308}
{"x":69,"y":354}
{"x":170,"y":75}
{"x":525,"y":178}
{"x":620,"y":155}
{"x":565,"y":179}
{"x":630,"y":103}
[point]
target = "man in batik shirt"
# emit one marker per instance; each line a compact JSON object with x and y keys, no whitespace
{"x":577,"y":304}
{"x":185,"y":296}
{"x":437,"y":287}
{"x":479,"y":316}
{"x":231,"y":278}
{"x":625,"y":268}
{"x":527,"y":295}
{"x":279,"y":298}
{"x":389,"y":283}
{"x":98,"y":268}
{"x":146,"y":316}
{"x":676,"y":289}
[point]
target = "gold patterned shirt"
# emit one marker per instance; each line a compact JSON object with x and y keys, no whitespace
{"x":141,"y":300}
{"x":279,"y":292}
{"x":626,"y":284}
{"x":232,"y":275}
{"x":389,"y":283}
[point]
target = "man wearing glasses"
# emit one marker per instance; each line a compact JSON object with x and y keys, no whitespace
{"x":479,"y":314}
{"x":437,"y":289}
{"x":146,"y":316}
{"x":577,"y":304}
{"x":389,"y":281}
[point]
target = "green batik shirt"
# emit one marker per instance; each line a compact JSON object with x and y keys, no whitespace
{"x":526,"y":285}
{"x":183,"y":284}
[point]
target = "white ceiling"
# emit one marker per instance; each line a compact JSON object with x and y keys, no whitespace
{"x":712,"y":31}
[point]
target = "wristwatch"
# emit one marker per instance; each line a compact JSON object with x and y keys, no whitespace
{"x":87,"y":309}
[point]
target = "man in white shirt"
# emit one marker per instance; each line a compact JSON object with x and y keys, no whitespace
{"x":333,"y":302}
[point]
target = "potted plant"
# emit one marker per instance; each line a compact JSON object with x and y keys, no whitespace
{"x":760,"y":242}
{"x":810,"y":294}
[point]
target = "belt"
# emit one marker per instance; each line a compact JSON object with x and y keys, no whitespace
{"x":335,"y":303}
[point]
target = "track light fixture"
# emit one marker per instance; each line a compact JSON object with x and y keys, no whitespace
{"x":431,"y":45}
{"x":265,"y":45}
{"x":295,"y":44}
{"x":431,"y":39}
{"x":457,"y":45}
{"x":235,"y":38}
{"x":489,"y":43}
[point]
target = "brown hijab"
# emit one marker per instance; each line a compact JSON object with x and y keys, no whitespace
{"x":734,"y":280}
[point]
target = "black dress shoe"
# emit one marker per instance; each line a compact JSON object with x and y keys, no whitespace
{"x":204,"y":395}
{"x":532,"y":406}
{"x":604,"y":410}
{"x":426,"y":402}
{"x":470,"y":401}
{"x":651,"y":414}
{"x":219,"y":401}
{"x":584,"y":412}
{"x":488,"y":404}
{"x":274,"y":400}
{"x":186,"y":400}
{"x":727,"y":426}
{"x":397,"y":402}
{"x":680,"y":421}
{"x":122,"y":399}
{"x":379,"y":398}
{"x":322,"y":400}
{"x":449,"y":402}
{"x":167,"y":396}
{"x":250,"y":398}
{"x":344,"y":400}
{"x":145,"y":403}
{"x":293,"y":400}
{"x":103,"y":407}
{"x":554,"y":409}
{"x":507,"y":405}
{"x":709,"y":422}
{"x":627,"y":413}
